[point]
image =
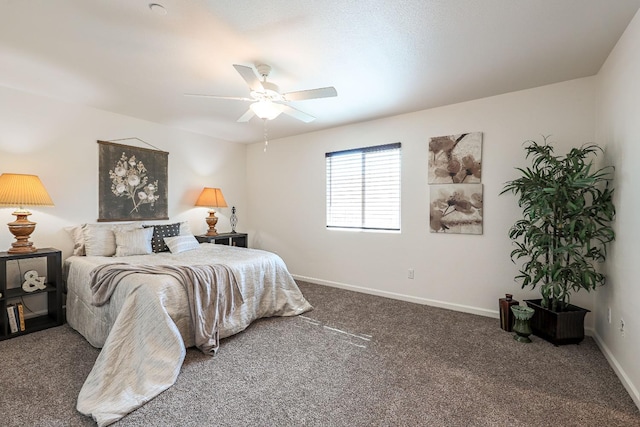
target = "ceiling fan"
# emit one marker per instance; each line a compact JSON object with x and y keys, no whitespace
{"x":267,"y":101}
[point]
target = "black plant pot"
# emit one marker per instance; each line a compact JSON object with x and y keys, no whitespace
{"x":558,"y":327}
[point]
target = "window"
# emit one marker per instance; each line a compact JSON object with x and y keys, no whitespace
{"x":363,"y":188}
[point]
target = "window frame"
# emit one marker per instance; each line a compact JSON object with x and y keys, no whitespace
{"x":396,"y":148}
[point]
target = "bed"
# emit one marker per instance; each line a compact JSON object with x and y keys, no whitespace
{"x":145,"y":326}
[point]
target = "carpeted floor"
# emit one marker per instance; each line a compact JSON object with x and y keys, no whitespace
{"x":355,"y":360}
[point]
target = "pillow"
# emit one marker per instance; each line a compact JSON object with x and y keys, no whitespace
{"x":179,"y":244}
{"x":160,"y":232}
{"x":78,"y":240}
{"x":100,"y":240}
{"x":133,"y":242}
{"x":185,"y":229}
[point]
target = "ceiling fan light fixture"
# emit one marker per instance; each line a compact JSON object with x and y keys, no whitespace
{"x":266,"y":100}
{"x":269,"y":92}
{"x":266,"y":110}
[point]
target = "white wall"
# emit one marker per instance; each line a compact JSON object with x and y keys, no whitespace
{"x":619,"y":130}
{"x":57,"y":141}
{"x":286,"y":193}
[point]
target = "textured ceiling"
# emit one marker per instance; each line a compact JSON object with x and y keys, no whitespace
{"x":383,"y":57}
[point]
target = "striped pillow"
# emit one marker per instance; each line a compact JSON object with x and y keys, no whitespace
{"x":134,"y":242}
{"x":179,"y":244}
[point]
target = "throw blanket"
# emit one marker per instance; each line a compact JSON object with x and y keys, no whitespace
{"x":212,"y":292}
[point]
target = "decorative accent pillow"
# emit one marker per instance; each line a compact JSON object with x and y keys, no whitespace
{"x":133,"y":242}
{"x":160,"y":232}
{"x":185,"y":229}
{"x":179,"y":244}
{"x":78,"y":240}
{"x":100,"y":240}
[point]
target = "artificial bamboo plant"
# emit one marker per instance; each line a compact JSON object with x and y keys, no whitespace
{"x":566,"y":225}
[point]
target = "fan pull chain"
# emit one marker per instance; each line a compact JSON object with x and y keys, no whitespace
{"x":266,"y":139}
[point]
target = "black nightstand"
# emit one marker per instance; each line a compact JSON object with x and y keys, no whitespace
{"x":53,"y":289}
{"x":229,"y":239}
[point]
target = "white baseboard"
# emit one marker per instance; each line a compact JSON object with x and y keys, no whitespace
{"x":624,"y":379}
{"x":425,"y":301}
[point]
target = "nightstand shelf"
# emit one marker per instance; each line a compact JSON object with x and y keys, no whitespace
{"x":53,"y":291}
{"x":229,"y":239}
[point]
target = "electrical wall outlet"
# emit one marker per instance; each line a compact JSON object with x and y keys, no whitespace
{"x":411,"y":273}
{"x":622,"y":326}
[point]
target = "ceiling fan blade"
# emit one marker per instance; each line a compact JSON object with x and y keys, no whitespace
{"x":301,"y":95}
{"x":247,"y":116}
{"x":235,"y":98}
{"x":300,"y":115}
{"x":249,"y":76}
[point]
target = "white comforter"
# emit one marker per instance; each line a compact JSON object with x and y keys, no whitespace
{"x":145,"y":328}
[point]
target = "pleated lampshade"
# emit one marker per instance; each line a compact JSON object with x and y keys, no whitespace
{"x":211,"y":198}
{"x":21,"y":190}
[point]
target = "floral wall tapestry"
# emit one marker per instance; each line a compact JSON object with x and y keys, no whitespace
{"x":456,"y":208}
{"x":132,"y":183}
{"x":455,"y":159}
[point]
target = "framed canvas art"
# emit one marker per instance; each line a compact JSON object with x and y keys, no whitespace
{"x":132,"y":183}
{"x":455,"y":208}
{"x":455,"y":159}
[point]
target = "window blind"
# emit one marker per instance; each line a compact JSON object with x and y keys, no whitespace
{"x":363,"y":188}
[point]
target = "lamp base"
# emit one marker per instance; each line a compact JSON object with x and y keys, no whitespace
{"x":22,"y":228}
{"x":212,"y":220}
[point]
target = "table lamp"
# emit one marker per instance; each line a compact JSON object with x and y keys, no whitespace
{"x":22,"y":190}
{"x":211,"y":198}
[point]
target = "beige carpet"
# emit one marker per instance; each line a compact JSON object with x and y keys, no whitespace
{"x":356,"y":360}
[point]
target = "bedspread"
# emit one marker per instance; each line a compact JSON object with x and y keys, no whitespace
{"x":212,"y":292}
{"x":146,"y":324}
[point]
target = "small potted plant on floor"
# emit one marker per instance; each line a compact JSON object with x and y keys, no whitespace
{"x":564,"y":232}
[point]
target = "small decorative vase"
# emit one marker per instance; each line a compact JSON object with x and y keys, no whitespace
{"x":233,"y":219}
{"x":506,"y":315}
{"x":522,"y":325}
